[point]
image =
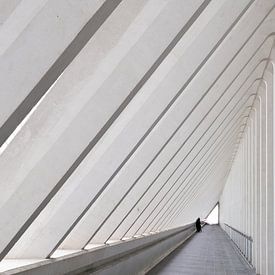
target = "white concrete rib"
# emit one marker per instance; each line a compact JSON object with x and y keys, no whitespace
{"x":117,"y":117}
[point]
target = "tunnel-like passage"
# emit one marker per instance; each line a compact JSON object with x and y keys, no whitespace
{"x":210,"y":252}
{"x":123,"y":121}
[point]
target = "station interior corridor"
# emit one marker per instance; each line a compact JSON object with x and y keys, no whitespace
{"x":210,"y":252}
{"x":122,"y":122}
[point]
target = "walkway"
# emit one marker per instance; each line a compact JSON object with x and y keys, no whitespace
{"x":209,"y":252}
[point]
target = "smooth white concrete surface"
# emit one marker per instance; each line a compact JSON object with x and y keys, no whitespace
{"x":250,"y":184}
{"x":135,"y":256}
{"x":29,"y":27}
{"x":122,"y":119}
{"x":91,"y":168}
{"x":150,"y":157}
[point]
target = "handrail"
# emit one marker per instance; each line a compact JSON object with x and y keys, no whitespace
{"x":111,"y":255}
{"x":241,"y":233}
{"x":242,"y":241}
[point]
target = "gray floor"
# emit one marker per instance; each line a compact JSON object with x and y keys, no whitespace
{"x":209,"y":252}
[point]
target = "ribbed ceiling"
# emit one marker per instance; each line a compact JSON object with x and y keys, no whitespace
{"x":120,"y":118}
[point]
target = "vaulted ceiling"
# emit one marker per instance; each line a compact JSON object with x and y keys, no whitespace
{"x":120,"y":118}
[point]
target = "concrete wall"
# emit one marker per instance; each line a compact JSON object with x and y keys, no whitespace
{"x":247,"y":201}
{"x":134,"y":256}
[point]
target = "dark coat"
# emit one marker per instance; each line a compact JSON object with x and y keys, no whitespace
{"x":198,"y":225}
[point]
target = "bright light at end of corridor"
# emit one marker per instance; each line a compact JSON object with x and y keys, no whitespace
{"x":213,"y":217}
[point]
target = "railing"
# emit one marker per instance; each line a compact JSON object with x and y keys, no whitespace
{"x":241,"y":240}
{"x":128,"y":255}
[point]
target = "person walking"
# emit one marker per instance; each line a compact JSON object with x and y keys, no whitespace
{"x":198,"y":225}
